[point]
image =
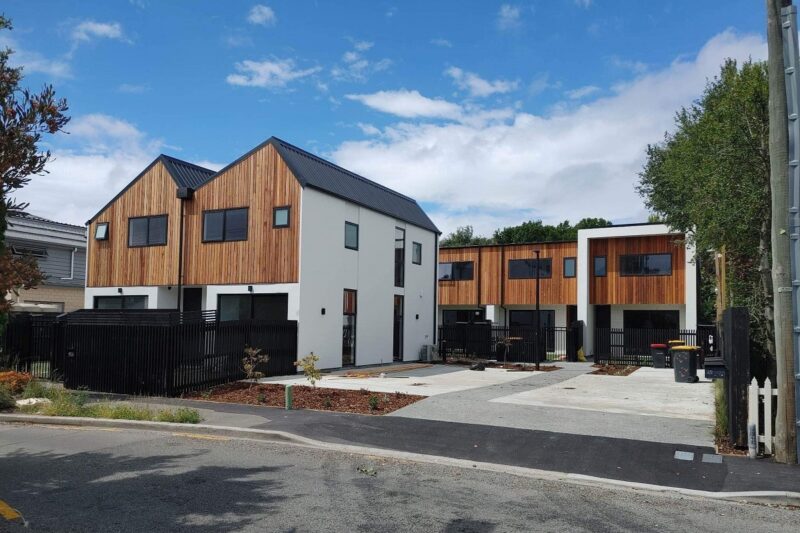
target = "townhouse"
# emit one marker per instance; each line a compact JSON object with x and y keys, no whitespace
{"x":279,"y":234}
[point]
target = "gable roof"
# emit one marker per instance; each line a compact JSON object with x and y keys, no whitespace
{"x":315,"y":172}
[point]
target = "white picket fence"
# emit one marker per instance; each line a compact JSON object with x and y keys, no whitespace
{"x":760,"y":398}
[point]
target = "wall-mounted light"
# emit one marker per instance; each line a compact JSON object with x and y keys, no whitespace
{"x":417,"y":317}
{"x":249,"y":288}
{"x":119,"y":290}
{"x":323,"y":310}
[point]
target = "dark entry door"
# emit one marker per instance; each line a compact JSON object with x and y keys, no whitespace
{"x":397,"y":353}
{"x":602,"y":329}
{"x":192,"y":299}
{"x":572,"y":314}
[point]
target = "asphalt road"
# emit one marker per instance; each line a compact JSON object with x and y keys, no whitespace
{"x":86,"y":479}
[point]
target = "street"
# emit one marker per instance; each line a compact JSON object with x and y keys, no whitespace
{"x":88,"y":479}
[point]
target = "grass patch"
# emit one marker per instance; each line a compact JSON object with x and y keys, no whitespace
{"x":6,"y":398}
{"x":720,"y":411}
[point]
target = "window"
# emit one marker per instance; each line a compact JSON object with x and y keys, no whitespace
{"x":527,"y":318}
{"x":225,"y":225}
{"x":351,"y":236}
{"x":28,"y":251}
{"x":416,"y":253}
{"x":458,"y":271}
{"x":399,"y":257}
{"x":599,"y":266}
{"x":569,"y":267}
{"x":120,"y":302}
{"x":267,"y":307}
{"x":280,"y":217}
{"x":349,"y":327}
{"x":645,"y":265}
{"x":101,"y":231}
{"x":147,"y":231}
{"x":526,"y":268}
{"x":454,"y":316}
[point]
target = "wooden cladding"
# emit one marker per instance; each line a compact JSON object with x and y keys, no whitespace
{"x":260,"y":182}
{"x":111,"y":262}
{"x":491,"y":285}
{"x":614,"y":288}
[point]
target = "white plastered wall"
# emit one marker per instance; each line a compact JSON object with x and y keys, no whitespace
{"x":157,"y":297}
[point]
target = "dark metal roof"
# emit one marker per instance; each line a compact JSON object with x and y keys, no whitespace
{"x":186,"y":174}
{"x":315,"y":172}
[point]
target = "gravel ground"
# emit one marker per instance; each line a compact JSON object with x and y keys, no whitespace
{"x":65,"y":479}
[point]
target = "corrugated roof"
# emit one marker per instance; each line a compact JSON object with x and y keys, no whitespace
{"x":186,"y":174}
{"x":313,"y":171}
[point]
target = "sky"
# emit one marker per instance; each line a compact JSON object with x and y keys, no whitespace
{"x":487,"y":113}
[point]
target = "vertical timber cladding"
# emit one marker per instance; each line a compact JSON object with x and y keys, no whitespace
{"x":260,"y":182}
{"x":554,"y":290}
{"x":616,"y":289}
{"x":464,"y":292}
{"x":111,"y":263}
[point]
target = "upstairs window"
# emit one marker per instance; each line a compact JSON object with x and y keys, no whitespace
{"x":599,"y":265}
{"x":351,"y":236}
{"x":526,"y":268}
{"x":569,"y":267}
{"x":399,"y":257}
{"x":280,"y":217}
{"x":147,"y":231}
{"x":416,"y":253}
{"x":225,"y":225}
{"x":456,"y":271}
{"x":101,"y":231}
{"x":645,"y":265}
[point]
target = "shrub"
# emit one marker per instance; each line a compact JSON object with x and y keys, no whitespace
{"x":14,"y":381}
{"x":181,"y":415}
{"x":374,"y":402}
{"x":327,"y":403}
{"x":35,"y":389}
{"x":6,"y":398}
{"x":309,"y":366}
{"x":252,"y":358}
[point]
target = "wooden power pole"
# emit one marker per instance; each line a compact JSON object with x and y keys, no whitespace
{"x":785,"y":428}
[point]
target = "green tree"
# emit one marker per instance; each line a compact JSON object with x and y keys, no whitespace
{"x":710,"y":178}
{"x":462,"y":236}
{"x":24,"y":117}
{"x":536,"y":231}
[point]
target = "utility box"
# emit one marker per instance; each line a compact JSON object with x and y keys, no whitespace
{"x":714,"y":368}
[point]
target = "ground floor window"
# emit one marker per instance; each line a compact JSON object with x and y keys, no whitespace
{"x":269,"y":307}
{"x":454,"y":316}
{"x":650,"y":319}
{"x":527,"y":317}
{"x":641,"y":328}
{"x":120,"y":302}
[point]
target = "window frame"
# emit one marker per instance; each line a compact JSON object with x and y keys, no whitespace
{"x":624,"y":275}
{"x":472,"y":277}
{"x":574,"y":267}
{"x":122,"y":299}
{"x":399,"y":259}
{"x":548,"y":260}
{"x":358,"y":235}
{"x":28,"y":251}
{"x":148,"y":243}
{"x":414,"y":247}
{"x":594,"y":266}
{"x":275,"y":210}
{"x":97,"y":227}
{"x":225,"y":225}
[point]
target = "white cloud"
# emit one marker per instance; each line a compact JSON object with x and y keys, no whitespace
{"x":542,"y":83}
{"x":582,"y":92}
{"x":579,"y":162}
{"x":509,"y":17}
{"x":363,"y":46}
{"x":88,"y":30}
{"x":262,"y":15}
{"x":368,"y":129}
{"x":408,"y":104}
{"x":637,"y":67}
{"x":271,"y":74}
{"x":478,"y":86}
{"x":34,"y":62}
{"x":444,"y":43}
{"x":583,"y":3}
{"x":355,"y":66}
{"x":132,"y":88}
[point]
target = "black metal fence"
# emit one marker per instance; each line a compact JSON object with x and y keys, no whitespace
{"x":143,"y":352}
{"x":631,"y":346}
{"x":515,"y":344}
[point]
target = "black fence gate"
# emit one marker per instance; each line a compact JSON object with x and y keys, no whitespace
{"x":631,"y":346}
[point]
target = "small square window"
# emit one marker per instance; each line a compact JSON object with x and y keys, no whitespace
{"x":101,"y":231}
{"x":280,"y":217}
{"x":416,"y":253}
{"x":351,"y":236}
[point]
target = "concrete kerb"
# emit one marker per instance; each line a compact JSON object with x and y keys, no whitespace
{"x":765,"y":497}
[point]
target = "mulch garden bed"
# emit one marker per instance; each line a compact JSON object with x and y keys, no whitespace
{"x":614,"y":370}
{"x":724,"y":447}
{"x":304,"y":397}
{"x":511,"y":367}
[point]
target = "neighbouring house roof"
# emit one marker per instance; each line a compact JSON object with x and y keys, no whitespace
{"x":32,"y":228}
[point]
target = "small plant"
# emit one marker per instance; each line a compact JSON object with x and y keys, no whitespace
{"x":14,"y":381}
{"x":374,"y":402}
{"x":181,"y":415}
{"x":6,"y":399}
{"x":206,"y":394}
{"x":363,"y":391}
{"x":309,"y":366}
{"x":262,"y":398}
{"x":252,"y":358}
{"x":327,"y":403}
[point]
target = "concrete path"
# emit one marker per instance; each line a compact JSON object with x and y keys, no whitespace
{"x":541,"y":402}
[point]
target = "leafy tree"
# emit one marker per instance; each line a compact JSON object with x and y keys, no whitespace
{"x":24,"y":117}
{"x":536,"y":231}
{"x":462,"y":236}
{"x":710,"y":178}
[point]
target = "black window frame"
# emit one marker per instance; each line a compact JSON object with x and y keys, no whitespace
{"x":358,"y":235}
{"x":594,"y":266}
{"x":637,"y":275}
{"x":452,"y":270}
{"x":541,"y":260}
{"x":399,"y":259}
{"x":97,"y":227}
{"x":414,"y":247}
{"x":148,"y":243}
{"x":225,"y":224}
{"x":275,"y":210}
{"x":574,"y":267}
{"x":122,"y":298}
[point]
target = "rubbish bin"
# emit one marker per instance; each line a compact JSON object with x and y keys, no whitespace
{"x":673,"y":343}
{"x":684,"y":363}
{"x":659,"y":354}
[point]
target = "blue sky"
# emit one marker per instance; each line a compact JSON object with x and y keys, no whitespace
{"x":489,"y":113}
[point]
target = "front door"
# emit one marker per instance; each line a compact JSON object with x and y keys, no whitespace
{"x":349,"y":328}
{"x":397,"y":353}
{"x":192,"y":299}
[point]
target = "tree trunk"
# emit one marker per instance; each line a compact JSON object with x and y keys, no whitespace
{"x":785,"y":426}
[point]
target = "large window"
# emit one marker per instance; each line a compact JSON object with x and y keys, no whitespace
{"x":645,"y":265}
{"x":147,"y":231}
{"x":269,"y":307}
{"x":399,"y":257}
{"x":416,"y":253}
{"x":351,"y":236}
{"x":569,"y":267}
{"x":455,"y":316}
{"x":120,"y":302}
{"x":225,"y":225}
{"x":599,"y":264}
{"x":526,"y":268}
{"x":457,"y":271}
